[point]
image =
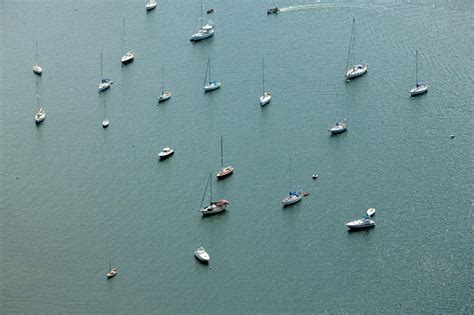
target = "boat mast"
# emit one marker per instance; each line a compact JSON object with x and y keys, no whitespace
{"x":37,"y":53}
{"x":416,"y":75}
{"x":351,"y":44}
{"x":222,"y":153}
{"x":207,"y":67}
{"x":37,"y":94}
{"x":101,"y":70}
{"x":123,"y":36}
{"x":162,"y":78}
{"x":200,"y":19}
{"x":210,"y":188}
{"x":289,"y":179}
{"x":209,"y":61}
{"x":105,"y":109}
{"x":263,"y":76}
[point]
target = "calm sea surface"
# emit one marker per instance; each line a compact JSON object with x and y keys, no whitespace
{"x":75,"y":196}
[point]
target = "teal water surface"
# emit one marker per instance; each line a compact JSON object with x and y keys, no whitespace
{"x":75,"y":196}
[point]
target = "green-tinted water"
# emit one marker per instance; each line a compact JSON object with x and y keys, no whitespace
{"x":75,"y":196}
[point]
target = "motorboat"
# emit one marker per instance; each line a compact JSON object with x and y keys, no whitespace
{"x":202,"y":255}
{"x":105,"y":123}
{"x":360,"y":224}
{"x":40,"y":115}
{"x":210,"y":11}
{"x":265,"y":98}
{"x":127,"y":58}
{"x":356,"y":71}
{"x":166,"y":153}
{"x":215,"y":207}
{"x":164,"y":96}
{"x":371,"y":212}
{"x":339,"y":127}
{"x":37,"y":69}
{"x":292,"y":198}
{"x":315,"y":176}
{"x":104,"y":84}
{"x":274,"y":10}
{"x":151,"y":4}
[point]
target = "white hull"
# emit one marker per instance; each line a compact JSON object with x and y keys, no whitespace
{"x":291,"y":199}
{"x":265,"y":98}
{"x":215,"y":207}
{"x":371,"y":212}
{"x":360,"y":224}
{"x":166,"y":153}
{"x":212,"y":86}
{"x":226,"y":171}
{"x":40,"y":116}
{"x":37,"y":69}
{"x":164,"y":96}
{"x":202,"y":255}
{"x":420,"y":89}
{"x":105,"y":123}
{"x":340,"y":127}
{"x":150,"y":5}
{"x":112,"y":273}
{"x":104,"y":85}
{"x":202,"y":34}
{"x":127,"y":58}
{"x":356,"y":71}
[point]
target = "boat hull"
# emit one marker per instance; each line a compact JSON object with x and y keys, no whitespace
{"x":37,"y":69}
{"x":291,"y":200}
{"x":202,"y":256}
{"x":104,"y":85}
{"x":112,"y":273}
{"x":360,"y":224}
{"x":105,"y":123}
{"x":265,"y":99}
{"x":225,"y":172}
{"x":356,"y":71}
{"x":422,"y":89}
{"x":165,"y":156}
{"x":164,"y":97}
{"x":128,"y":58}
{"x":215,"y":207}
{"x":202,"y":34}
{"x":212,"y":86}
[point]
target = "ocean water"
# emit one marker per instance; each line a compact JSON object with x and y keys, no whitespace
{"x":75,"y":196}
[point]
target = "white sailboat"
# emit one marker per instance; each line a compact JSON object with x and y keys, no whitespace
{"x":105,"y":122}
{"x":113,"y":271}
{"x":225,"y":171}
{"x":266,"y":96}
{"x":354,"y":71}
{"x":419,"y":88}
{"x":214,"y":206}
{"x":339,"y":127}
{"x":293,"y":197}
{"x":164,"y":95}
{"x":40,"y":113}
{"x":210,"y":85}
{"x":150,"y":5}
{"x":204,"y":32}
{"x":128,"y":56}
{"x":104,"y":84}
{"x":37,"y":69}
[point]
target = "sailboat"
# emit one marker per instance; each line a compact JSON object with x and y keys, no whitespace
{"x":113,"y":271}
{"x":40,"y":113}
{"x":150,"y":5}
{"x":36,"y":67}
{"x":127,"y":54}
{"x":339,"y":127}
{"x":164,"y":95}
{"x":419,"y":88}
{"x":225,"y":171}
{"x":211,"y":84}
{"x":204,"y":32}
{"x":293,"y":197}
{"x":214,"y":206}
{"x":104,"y":84}
{"x":354,"y":71}
{"x":105,"y":122}
{"x":266,"y":96}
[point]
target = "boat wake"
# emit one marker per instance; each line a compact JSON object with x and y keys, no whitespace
{"x":324,"y":6}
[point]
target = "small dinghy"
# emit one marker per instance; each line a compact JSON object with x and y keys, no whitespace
{"x":315,"y":176}
{"x":371,"y":212}
{"x":274,"y":10}
{"x":113,"y":271}
{"x":202,"y":255}
{"x":165,"y":153}
{"x":210,"y":11}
